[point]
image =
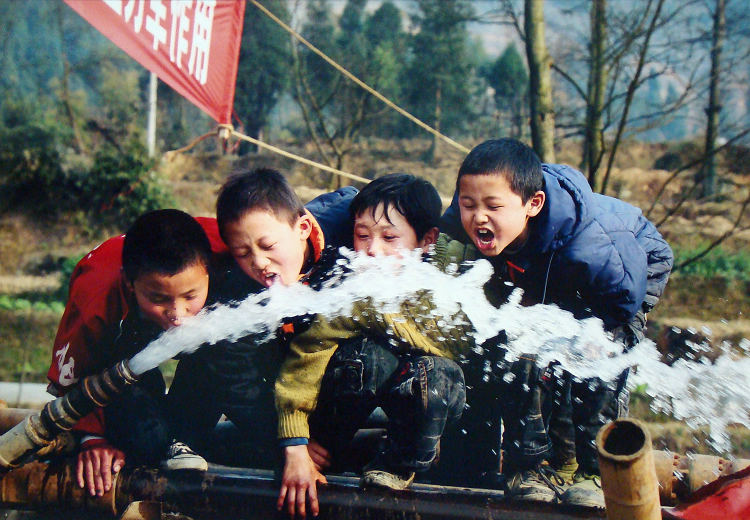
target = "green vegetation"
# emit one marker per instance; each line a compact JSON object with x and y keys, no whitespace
{"x":716,"y":263}
{"x":11,"y":303}
{"x":110,"y":188}
{"x":27,"y":343}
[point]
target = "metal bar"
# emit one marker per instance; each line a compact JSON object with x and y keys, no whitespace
{"x":251,"y":494}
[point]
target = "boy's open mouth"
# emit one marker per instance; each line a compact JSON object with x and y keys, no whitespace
{"x":485,"y":238}
{"x":268,"y":279}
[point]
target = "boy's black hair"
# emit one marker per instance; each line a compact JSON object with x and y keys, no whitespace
{"x":164,"y":241}
{"x":415,"y":198}
{"x":261,"y":188}
{"x":510,"y":158}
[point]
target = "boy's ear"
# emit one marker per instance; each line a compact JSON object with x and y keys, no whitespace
{"x":129,"y":287}
{"x":535,"y":204}
{"x":429,"y":238}
{"x":305,"y":225}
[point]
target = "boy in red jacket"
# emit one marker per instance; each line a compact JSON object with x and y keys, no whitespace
{"x":165,"y":258}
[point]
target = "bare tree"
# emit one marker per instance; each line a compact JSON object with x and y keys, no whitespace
{"x":540,"y":83}
{"x":630,"y":93}
{"x":65,"y":96}
{"x":708,"y":173}
{"x":593,"y":143}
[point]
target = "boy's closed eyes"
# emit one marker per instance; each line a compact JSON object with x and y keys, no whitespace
{"x":381,"y":233}
{"x":493,"y":215}
{"x":268,"y":247}
{"x":168,"y":299}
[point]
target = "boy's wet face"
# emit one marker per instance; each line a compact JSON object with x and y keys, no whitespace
{"x":493,"y":215}
{"x":267,"y":247}
{"x":376,"y":235}
{"x":168,"y":299}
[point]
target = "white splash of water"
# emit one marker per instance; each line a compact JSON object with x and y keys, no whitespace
{"x":396,"y":281}
{"x":701,"y":394}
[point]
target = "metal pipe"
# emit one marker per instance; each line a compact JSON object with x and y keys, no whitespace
{"x":41,"y":485}
{"x":248,"y":494}
{"x":40,"y":429}
{"x":626,"y":462}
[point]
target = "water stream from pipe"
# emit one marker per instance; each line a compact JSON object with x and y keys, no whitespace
{"x":699,"y":393}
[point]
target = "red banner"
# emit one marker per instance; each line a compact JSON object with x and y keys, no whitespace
{"x":191,"y":45}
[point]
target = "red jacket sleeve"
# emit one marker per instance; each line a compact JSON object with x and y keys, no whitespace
{"x":97,"y":300}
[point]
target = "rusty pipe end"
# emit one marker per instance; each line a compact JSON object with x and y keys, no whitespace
{"x":124,"y":370}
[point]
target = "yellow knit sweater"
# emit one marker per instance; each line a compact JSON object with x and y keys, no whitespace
{"x":298,"y":384}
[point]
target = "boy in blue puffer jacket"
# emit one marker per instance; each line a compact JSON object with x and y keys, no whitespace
{"x":545,"y":231}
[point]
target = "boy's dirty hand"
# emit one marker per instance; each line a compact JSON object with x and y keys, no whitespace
{"x":97,"y":461}
{"x":299,"y":482}
{"x":320,"y":456}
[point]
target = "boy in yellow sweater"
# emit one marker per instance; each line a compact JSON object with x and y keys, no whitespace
{"x":341,"y":369}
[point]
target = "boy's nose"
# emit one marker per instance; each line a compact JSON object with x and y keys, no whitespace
{"x":480,"y":217}
{"x":174,"y":315}
{"x":260,"y":262}
{"x":374,"y":248}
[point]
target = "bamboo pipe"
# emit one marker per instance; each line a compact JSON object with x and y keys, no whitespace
{"x":38,"y":430}
{"x":626,"y":462}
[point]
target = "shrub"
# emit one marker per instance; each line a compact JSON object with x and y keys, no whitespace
{"x":111,"y":188}
{"x":32,"y":177}
{"x":119,"y":187}
{"x":66,"y":269}
{"x":670,"y":161}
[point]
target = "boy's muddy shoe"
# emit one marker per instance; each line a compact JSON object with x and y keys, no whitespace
{"x":541,"y":484}
{"x":378,"y":474}
{"x":585,"y":491}
{"x":181,"y":457}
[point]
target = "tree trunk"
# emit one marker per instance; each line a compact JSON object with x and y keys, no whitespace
{"x":65,"y":87}
{"x":593,"y":144}
{"x":540,"y":83}
{"x":433,"y":152}
{"x":714,"y":107}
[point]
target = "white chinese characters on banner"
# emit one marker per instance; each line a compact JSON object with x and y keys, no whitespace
{"x":183,"y":27}
{"x":154,"y":23}
{"x":178,"y":43}
{"x":201,"y":45}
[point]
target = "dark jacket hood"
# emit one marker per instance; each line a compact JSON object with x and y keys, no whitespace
{"x":567,"y":208}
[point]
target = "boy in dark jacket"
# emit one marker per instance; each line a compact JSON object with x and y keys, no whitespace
{"x":272,"y":238}
{"x":545,"y":231}
{"x":166,"y":259}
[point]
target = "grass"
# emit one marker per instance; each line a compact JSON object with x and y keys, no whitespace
{"x":716,"y":263}
{"x":26,"y":350}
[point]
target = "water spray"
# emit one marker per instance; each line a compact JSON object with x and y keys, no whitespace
{"x":699,"y":393}
{"x":60,"y":415}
